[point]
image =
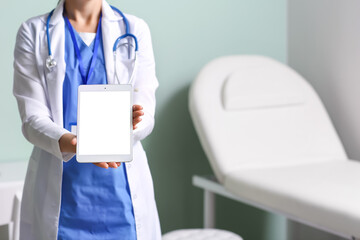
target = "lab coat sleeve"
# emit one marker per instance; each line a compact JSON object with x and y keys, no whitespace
{"x":30,"y":93}
{"x":145,"y":82}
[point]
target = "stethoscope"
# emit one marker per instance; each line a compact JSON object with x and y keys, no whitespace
{"x":51,"y":62}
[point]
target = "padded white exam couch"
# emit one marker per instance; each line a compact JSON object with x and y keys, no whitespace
{"x":271,"y":144}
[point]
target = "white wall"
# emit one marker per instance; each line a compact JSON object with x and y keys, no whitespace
{"x":324,"y":46}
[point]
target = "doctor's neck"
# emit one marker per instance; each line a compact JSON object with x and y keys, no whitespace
{"x":83,"y":14}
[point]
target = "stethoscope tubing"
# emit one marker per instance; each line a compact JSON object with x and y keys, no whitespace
{"x":131,"y":77}
{"x":51,"y":63}
{"x":48,"y":33}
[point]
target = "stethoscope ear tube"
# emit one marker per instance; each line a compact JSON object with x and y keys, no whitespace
{"x":125,"y":36}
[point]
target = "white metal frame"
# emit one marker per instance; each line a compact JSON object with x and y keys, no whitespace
{"x":211,"y":187}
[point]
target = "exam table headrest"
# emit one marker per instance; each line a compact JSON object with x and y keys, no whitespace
{"x":241,"y":104}
{"x":260,"y":87}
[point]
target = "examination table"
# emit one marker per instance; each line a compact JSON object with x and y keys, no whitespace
{"x":271,"y":144}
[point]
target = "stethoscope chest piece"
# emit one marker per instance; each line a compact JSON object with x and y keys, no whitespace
{"x":50,"y":63}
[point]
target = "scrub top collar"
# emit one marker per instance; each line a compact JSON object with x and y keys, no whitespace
{"x":85,"y":75}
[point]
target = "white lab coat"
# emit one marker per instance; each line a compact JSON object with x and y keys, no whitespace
{"x":39,"y":96}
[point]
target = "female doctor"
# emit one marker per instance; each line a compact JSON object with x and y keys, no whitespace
{"x":54,"y":54}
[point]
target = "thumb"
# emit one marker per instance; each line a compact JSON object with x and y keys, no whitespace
{"x":73,"y":141}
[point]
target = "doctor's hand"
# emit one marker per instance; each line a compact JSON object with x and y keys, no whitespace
{"x":108,"y":164}
{"x":67,"y":143}
{"x":137,"y":113}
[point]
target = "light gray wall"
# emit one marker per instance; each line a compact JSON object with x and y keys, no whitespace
{"x":324,"y":46}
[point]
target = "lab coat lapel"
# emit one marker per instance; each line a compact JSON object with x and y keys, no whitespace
{"x":54,"y":78}
{"x":110,"y":32}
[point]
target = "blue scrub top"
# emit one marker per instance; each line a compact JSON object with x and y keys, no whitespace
{"x":95,"y":202}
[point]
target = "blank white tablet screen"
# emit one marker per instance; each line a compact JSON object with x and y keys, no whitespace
{"x":104,"y":123}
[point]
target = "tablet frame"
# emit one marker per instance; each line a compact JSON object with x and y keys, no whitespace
{"x":104,"y":158}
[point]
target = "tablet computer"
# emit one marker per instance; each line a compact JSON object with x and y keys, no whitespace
{"x":104,"y":123}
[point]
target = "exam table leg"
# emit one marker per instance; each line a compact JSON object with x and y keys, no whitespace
{"x":209,"y":209}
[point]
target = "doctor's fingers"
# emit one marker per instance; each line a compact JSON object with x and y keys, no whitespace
{"x":136,"y":121}
{"x":102,"y":164}
{"x":107,"y":165}
{"x":112,"y":164}
{"x":137,"y":107}
{"x":137,"y":113}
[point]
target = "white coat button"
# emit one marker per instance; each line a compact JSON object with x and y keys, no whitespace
{"x":129,"y":165}
{"x":135,"y":196}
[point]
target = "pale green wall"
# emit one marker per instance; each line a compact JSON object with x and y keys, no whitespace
{"x":186,"y":35}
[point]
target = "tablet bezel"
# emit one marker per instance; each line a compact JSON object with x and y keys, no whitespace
{"x":104,"y":158}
